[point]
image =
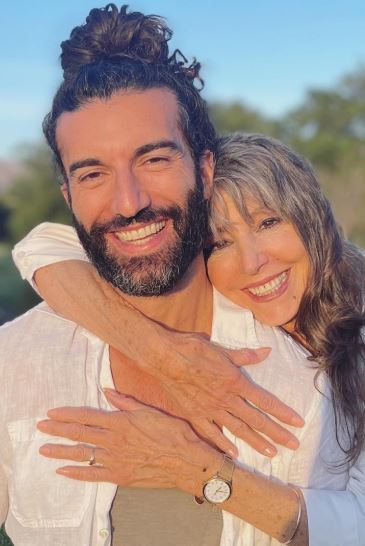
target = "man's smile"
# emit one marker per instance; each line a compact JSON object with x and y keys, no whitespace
{"x":142,"y":239}
{"x":139,"y":234}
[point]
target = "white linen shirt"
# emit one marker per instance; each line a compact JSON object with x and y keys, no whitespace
{"x":48,"y":361}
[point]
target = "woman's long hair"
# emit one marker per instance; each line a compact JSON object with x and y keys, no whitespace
{"x":331,"y":314}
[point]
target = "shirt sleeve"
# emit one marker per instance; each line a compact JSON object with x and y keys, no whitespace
{"x":338,"y":517}
{"x":46,"y":244}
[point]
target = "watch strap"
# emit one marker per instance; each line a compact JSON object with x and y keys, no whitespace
{"x":226,"y":470}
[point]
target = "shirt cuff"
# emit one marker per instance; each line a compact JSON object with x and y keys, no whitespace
{"x":331,"y":518}
{"x":46,"y":244}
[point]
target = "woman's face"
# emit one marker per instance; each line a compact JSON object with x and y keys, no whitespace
{"x":261,"y":265}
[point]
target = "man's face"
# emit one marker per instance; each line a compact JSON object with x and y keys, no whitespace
{"x":137,"y":200}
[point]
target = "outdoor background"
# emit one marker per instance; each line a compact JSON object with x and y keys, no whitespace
{"x":291,"y":69}
{"x":288,"y":68}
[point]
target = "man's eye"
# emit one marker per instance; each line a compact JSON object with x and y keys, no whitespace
{"x":90,"y":176}
{"x":157,"y":159}
{"x":269,"y":222}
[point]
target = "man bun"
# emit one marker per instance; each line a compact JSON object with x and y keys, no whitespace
{"x":111,"y":35}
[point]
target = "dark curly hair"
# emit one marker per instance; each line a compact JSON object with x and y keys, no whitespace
{"x":116,"y":49}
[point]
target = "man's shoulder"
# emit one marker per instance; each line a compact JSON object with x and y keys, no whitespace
{"x":36,"y":327}
{"x":41,"y":313}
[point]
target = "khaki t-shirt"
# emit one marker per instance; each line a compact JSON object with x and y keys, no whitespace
{"x":163,"y":517}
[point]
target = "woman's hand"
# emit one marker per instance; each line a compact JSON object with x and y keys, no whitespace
{"x":137,"y":446}
{"x":211,"y":391}
{"x":204,"y":381}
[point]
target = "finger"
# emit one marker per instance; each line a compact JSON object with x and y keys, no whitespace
{"x":86,"y":473}
{"x":73,"y":431}
{"x":86,"y":416}
{"x":211,"y":432}
{"x":261,"y":423}
{"x":123,"y":402}
{"x":247,"y":357}
{"x":81,"y":453}
{"x":243,"y":431}
{"x":268,"y":402}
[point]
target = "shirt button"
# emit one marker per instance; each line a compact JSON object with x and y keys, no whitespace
{"x":104,"y":533}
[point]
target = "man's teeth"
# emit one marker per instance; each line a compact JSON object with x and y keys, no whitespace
{"x":269,"y":287}
{"x":141,"y":233}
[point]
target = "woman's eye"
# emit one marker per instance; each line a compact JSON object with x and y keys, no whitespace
{"x":218,"y":245}
{"x":269,"y":222}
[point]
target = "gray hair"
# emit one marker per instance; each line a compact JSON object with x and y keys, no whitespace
{"x":331,"y":313}
{"x":260,"y":167}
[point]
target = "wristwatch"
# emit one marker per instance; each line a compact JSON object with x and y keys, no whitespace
{"x":218,"y":489}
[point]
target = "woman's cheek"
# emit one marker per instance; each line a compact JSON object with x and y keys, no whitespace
{"x":220,"y":270}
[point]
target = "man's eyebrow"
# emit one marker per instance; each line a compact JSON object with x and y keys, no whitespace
{"x":151,"y":147}
{"x":89,"y":162}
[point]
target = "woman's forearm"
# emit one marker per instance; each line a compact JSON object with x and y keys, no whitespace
{"x":271,"y":507}
{"x":187,"y":365}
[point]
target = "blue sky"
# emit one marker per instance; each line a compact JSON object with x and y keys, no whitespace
{"x":265,"y":53}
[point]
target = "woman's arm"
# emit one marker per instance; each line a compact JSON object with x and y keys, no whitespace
{"x":186,"y":364}
{"x":163,"y":451}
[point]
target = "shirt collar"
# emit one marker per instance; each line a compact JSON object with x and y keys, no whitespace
{"x":233,"y":326}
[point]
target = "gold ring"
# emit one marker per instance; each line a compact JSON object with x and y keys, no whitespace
{"x":92,"y":458}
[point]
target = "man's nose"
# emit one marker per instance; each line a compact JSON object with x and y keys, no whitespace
{"x":252,"y":256}
{"x":130,"y":196}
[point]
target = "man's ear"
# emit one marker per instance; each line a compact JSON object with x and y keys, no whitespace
{"x":207,"y":164}
{"x":66,"y":193}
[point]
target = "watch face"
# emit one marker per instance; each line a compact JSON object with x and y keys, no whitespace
{"x":217,"y":490}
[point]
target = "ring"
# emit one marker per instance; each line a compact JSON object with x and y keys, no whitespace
{"x":92,"y":458}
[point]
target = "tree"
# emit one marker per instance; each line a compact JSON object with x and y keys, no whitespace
{"x":34,"y":196}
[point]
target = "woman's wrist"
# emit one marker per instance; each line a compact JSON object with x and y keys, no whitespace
{"x":198,"y":464}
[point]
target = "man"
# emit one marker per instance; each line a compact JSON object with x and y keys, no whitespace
{"x":135,"y":148}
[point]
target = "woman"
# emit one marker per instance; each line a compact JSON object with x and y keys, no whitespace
{"x":277,"y":251}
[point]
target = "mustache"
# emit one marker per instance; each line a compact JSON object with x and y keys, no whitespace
{"x":143,"y":216}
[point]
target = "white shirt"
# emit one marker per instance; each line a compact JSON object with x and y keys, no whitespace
{"x":48,"y":361}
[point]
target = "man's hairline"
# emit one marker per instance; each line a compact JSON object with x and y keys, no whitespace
{"x":181,"y":111}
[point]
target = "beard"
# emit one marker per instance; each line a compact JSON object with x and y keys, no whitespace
{"x":159,"y":272}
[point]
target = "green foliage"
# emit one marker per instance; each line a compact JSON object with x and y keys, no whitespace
{"x":328,"y":128}
{"x":229,"y":118}
{"x":4,"y":539}
{"x":34,"y":196}
{"x":15,"y":295}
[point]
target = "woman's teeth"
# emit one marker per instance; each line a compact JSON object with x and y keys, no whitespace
{"x":141,"y":233}
{"x":269,"y":287}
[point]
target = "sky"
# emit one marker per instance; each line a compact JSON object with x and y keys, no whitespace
{"x":264,"y":53}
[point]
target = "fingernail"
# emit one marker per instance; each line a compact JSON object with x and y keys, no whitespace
{"x":44,"y":450}
{"x":270,"y":451}
{"x":63,"y":471}
{"x":110,"y":392}
{"x":293,"y":443}
{"x":297,"y":421}
{"x":42,"y":425}
{"x":233,"y":453}
{"x":264,"y":350}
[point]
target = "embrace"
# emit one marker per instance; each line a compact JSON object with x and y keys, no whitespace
{"x":197,"y":375}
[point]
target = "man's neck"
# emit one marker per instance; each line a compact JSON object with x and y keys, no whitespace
{"x":186,"y":308}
